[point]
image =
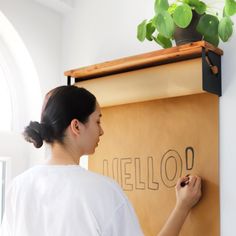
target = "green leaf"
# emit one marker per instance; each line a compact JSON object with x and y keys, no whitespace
{"x":208,"y":25}
{"x":172,"y":8}
{"x":163,"y":41}
{"x":230,"y":7}
{"x":192,"y":3}
{"x":150,"y":28}
{"x":164,"y":24}
{"x":200,"y":8}
{"x":213,"y":39}
{"x":183,"y":15}
{"x":141,"y":31}
{"x":161,"y":5}
{"x":225,"y":28}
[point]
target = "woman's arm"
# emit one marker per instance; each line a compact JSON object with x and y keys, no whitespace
{"x":186,"y":197}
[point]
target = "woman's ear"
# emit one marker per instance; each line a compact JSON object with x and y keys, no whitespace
{"x":75,"y":126}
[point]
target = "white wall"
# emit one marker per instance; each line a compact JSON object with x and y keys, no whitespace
{"x":227,"y":138}
{"x":98,"y":31}
{"x":40,"y":30}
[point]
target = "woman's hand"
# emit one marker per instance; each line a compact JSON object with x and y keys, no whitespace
{"x":189,"y":193}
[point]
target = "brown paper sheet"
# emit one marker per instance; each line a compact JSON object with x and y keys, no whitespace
{"x":147,"y":146}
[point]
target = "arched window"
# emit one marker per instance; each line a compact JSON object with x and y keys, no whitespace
{"x":20,"y":101}
{"x":19,"y":77}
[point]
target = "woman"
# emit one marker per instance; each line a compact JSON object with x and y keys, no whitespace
{"x":62,"y":199}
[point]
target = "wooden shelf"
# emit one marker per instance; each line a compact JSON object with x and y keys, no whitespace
{"x":159,"y":57}
{"x":177,"y":71}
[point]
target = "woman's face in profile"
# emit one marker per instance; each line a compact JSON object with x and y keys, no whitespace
{"x":91,"y":131}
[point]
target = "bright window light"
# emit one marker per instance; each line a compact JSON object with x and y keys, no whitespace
{"x":20,"y":95}
{"x":17,"y":64}
{"x":5,"y":104}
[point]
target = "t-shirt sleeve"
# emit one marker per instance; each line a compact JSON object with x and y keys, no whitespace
{"x":123,"y":222}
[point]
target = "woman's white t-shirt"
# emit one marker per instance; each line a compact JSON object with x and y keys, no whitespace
{"x":67,"y":201}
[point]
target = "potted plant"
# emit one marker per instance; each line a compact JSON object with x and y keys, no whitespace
{"x":208,"y":23}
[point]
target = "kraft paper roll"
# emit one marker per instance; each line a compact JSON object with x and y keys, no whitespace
{"x":163,"y":81}
{"x":147,"y":146}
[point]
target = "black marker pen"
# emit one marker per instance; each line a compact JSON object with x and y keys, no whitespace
{"x":182,"y":184}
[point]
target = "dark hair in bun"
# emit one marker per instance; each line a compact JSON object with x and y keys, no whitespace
{"x":61,"y":106}
{"x":33,"y":134}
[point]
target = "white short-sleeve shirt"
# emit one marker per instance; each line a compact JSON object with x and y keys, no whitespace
{"x":50,"y":200}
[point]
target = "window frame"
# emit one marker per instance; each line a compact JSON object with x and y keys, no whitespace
{"x":5,"y":179}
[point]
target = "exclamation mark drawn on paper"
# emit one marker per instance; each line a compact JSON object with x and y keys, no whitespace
{"x":189,"y":157}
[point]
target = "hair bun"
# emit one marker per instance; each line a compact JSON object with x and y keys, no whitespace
{"x":33,"y":134}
